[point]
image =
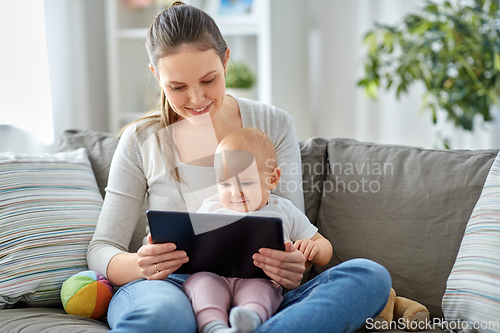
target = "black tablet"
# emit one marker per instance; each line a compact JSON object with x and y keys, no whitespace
{"x":222,"y":244}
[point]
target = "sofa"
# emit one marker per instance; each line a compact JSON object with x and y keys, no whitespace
{"x":406,"y":208}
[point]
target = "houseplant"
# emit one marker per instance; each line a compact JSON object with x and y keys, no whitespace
{"x":240,"y":79}
{"x":453,"y":49}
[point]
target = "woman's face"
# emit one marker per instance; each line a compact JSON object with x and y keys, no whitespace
{"x":193,"y":81}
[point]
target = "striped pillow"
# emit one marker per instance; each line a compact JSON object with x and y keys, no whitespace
{"x":49,"y":205}
{"x":473,"y":288}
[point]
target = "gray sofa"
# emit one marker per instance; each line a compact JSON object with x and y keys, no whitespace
{"x":403,"y":207}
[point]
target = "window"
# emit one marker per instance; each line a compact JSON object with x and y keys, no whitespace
{"x":25,"y":100}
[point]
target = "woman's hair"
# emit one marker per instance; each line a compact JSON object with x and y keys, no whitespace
{"x":182,"y":25}
{"x":176,"y":27}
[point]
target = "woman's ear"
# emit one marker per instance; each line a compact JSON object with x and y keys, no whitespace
{"x":154,"y":73}
{"x":274,"y":178}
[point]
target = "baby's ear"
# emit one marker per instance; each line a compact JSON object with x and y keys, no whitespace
{"x":274,"y":178}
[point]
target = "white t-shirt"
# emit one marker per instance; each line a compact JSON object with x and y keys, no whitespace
{"x":296,"y":225}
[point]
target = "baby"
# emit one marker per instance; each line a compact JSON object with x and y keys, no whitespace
{"x":246,"y":169}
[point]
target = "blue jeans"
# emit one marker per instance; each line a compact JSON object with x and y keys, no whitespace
{"x":338,"y":300}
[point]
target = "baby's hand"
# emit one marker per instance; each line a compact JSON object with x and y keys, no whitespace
{"x":308,"y":247}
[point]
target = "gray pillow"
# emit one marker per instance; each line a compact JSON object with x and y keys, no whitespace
{"x":403,"y":207}
{"x":100,"y":148}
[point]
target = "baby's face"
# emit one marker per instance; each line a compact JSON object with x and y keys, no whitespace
{"x":244,"y":191}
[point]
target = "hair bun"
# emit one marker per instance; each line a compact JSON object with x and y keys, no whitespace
{"x":177,"y":3}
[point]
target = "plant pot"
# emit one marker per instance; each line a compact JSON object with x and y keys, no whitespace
{"x":240,"y":92}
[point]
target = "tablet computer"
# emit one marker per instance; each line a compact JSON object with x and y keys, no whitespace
{"x":221,"y":244}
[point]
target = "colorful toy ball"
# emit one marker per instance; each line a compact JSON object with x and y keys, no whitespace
{"x":86,"y":294}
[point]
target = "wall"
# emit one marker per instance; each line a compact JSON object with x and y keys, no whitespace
{"x":289,"y":67}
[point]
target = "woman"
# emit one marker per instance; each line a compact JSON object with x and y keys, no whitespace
{"x":168,"y":156}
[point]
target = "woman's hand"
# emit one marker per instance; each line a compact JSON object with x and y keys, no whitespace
{"x":285,"y":267}
{"x":157,"y":261}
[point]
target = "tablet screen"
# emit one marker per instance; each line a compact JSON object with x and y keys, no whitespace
{"x":221,"y":244}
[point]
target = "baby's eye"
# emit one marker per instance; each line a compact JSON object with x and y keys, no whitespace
{"x":224,"y":184}
{"x":247,"y":183}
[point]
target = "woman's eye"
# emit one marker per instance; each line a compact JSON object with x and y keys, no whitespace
{"x":176,"y":88}
{"x":209,"y":81}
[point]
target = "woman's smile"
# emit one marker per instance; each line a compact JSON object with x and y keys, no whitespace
{"x":198,"y":111}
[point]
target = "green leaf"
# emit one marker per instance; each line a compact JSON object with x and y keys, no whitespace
{"x":479,"y":3}
{"x":423,"y":27}
{"x":446,"y":143}
{"x":388,"y":39}
{"x":425,"y":102}
{"x":496,"y":58}
{"x":371,"y":41}
{"x":494,"y":98}
{"x":362,"y":83}
{"x":494,"y":6}
{"x":434,"y":114}
{"x":431,"y":8}
{"x":401,"y":88}
{"x":371,"y":90}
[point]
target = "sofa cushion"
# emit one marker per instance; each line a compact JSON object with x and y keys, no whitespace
{"x":101,"y":148}
{"x":403,"y":207}
{"x":49,"y":206}
{"x":313,"y":155}
{"x":473,"y":287}
{"x":47,"y":320}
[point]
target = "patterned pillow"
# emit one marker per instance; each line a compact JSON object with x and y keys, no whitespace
{"x":49,"y":205}
{"x":472,"y":297}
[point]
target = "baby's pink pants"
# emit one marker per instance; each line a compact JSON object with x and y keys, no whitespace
{"x":212,"y":296}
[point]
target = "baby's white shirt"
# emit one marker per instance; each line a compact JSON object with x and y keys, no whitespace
{"x":296,"y":225}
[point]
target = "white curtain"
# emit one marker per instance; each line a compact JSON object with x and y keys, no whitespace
{"x":339,"y":107}
{"x":25,"y":101}
{"x":54,"y":52}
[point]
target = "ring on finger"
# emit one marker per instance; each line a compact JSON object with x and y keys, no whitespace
{"x":156,"y":266}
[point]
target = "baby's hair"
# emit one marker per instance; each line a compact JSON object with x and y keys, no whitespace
{"x":254,"y":141}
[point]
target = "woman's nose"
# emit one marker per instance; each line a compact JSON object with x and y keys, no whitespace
{"x":197,"y":96}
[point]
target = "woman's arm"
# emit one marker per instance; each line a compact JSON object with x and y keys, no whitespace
{"x":289,"y":160}
{"x":279,"y":126}
{"x":125,"y":192}
{"x":123,"y":268}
